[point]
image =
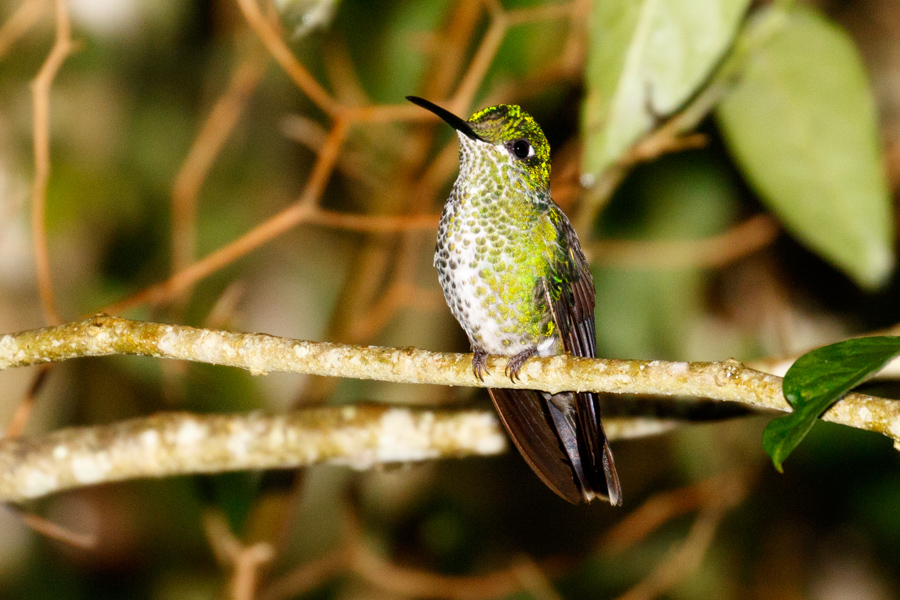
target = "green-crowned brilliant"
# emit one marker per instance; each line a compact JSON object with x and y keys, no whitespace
{"x":517,"y":281}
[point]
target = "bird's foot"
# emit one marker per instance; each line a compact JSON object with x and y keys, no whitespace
{"x":479,"y":362}
{"x":517,"y":361}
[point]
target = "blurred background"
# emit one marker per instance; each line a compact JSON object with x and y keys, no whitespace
{"x":173,"y":132}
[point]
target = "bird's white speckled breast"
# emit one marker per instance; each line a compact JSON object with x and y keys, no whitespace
{"x":488,"y":278}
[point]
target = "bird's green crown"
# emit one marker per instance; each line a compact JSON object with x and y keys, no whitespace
{"x":508,"y":124}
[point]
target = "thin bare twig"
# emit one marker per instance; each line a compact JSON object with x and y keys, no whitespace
{"x":246,"y":561}
{"x":448,"y":53}
{"x":524,"y":574}
{"x":292,"y":216}
{"x":661,"y":508}
{"x":357,"y":557}
{"x":400,"y":294}
{"x":23,"y":411}
{"x":206,"y":147}
{"x":18,"y":24}
{"x":280,"y":51}
{"x":740,"y":241}
{"x":669,"y":137}
{"x":417,"y":583}
{"x":715,"y":497}
{"x":308,"y":576}
{"x":54,"y":531}
{"x":351,"y":163}
{"x":40,"y":88}
{"x":341,"y":73}
{"x":479,"y":65}
{"x":373,"y":223}
{"x":681,"y":561}
{"x":534,"y":580}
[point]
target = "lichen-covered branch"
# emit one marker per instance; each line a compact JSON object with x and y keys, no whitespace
{"x":181,"y":443}
{"x":166,"y":444}
{"x":360,"y":436}
{"x":260,"y":354}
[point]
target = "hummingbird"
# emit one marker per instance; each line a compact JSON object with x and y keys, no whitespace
{"x":515,"y":277}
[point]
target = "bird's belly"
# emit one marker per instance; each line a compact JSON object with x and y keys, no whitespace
{"x":487,"y":307}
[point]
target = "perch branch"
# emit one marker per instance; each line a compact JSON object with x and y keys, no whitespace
{"x":360,"y":436}
{"x":260,"y":354}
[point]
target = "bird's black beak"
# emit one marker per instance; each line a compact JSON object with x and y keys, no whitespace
{"x":451,"y":119}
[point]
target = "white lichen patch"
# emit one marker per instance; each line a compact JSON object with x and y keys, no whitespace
{"x":60,"y":452}
{"x":276,"y":437}
{"x":149,"y":440}
{"x":101,"y":336}
{"x":168,"y":342}
{"x":864,"y":415}
{"x":334,"y":360}
{"x":354,"y":359}
{"x":37,"y":483}
{"x":351,"y":447}
{"x":7,"y":349}
{"x":479,"y":433}
{"x":306,"y":453}
{"x":895,"y":430}
{"x":90,"y":468}
{"x":637,"y":427}
{"x":209,"y":348}
{"x":239,"y":443}
{"x":190,"y":433}
{"x":402,"y":439}
{"x":361,"y":461}
{"x":677,"y":368}
{"x":558,"y":361}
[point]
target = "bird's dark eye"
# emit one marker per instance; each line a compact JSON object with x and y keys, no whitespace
{"x":522,"y":149}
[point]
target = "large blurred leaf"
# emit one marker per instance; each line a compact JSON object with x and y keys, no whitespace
{"x":645,"y":59}
{"x":817,"y":380}
{"x":802,"y":125}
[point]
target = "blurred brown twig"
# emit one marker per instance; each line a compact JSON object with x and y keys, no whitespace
{"x":17,"y":25}
{"x":40,"y":87}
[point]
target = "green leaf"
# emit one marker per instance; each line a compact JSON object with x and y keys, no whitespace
{"x":817,"y":380}
{"x":645,"y":59}
{"x":802,"y":125}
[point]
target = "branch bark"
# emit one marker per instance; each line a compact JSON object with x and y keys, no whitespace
{"x":181,"y":443}
{"x":361,"y":435}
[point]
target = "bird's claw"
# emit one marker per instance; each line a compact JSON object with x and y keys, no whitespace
{"x":479,"y":363}
{"x":516,"y":363}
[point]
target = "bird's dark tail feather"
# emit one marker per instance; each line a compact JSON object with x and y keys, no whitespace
{"x":594,"y":447}
{"x":563,"y":447}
